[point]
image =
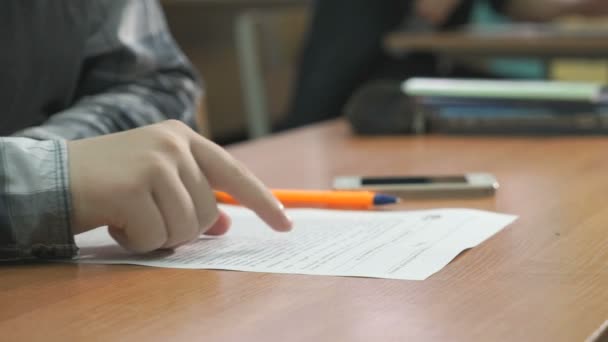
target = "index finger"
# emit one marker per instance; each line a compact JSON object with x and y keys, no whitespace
{"x":227,"y":174}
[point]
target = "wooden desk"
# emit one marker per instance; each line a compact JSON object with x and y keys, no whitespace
{"x":543,"y":278}
{"x":516,"y":44}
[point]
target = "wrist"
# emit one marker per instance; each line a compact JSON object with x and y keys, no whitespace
{"x":80,"y":212}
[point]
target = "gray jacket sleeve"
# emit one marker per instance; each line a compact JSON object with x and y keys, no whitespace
{"x":133,"y":75}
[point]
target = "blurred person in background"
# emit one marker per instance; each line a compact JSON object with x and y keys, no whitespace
{"x":343,"y":50}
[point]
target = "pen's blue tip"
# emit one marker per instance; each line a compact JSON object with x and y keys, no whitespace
{"x":380,"y":199}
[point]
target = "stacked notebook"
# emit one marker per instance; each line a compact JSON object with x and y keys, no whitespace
{"x":509,"y":107}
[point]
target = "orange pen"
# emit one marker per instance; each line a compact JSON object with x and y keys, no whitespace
{"x":322,"y":199}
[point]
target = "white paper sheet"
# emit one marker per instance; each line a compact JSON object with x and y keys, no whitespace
{"x":392,"y":244}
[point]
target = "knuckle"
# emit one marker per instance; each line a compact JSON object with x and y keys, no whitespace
{"x":157,"y":167}
{"x":234,"y":173}
{"x":176,"y":125}
{"x":242,"y":174}
{"x":236,"y":168}
{"x":172,"y":143}
{"x":156,"y":164}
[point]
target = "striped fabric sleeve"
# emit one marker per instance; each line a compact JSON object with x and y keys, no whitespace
{"x":34,"y":200}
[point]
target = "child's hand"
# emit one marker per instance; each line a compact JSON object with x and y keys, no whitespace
{"x":153,"y":187}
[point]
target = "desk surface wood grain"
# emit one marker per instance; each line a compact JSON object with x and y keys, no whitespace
{"x":545,"y":277}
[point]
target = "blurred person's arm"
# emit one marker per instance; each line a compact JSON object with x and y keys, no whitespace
{"x":544,"y":10}
{"x":133,"y":75}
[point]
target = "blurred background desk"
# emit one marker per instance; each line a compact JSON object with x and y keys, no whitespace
{"x":517,"y":40}
{"x":543,"y":278}
{"x":554,"y":44}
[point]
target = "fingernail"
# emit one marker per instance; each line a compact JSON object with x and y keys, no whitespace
{"x":287,"y":223}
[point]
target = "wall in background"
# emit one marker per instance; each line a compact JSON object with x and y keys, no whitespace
{"x":205,"y":31}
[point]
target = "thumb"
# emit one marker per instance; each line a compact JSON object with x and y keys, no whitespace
{"x":221,"y":225}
